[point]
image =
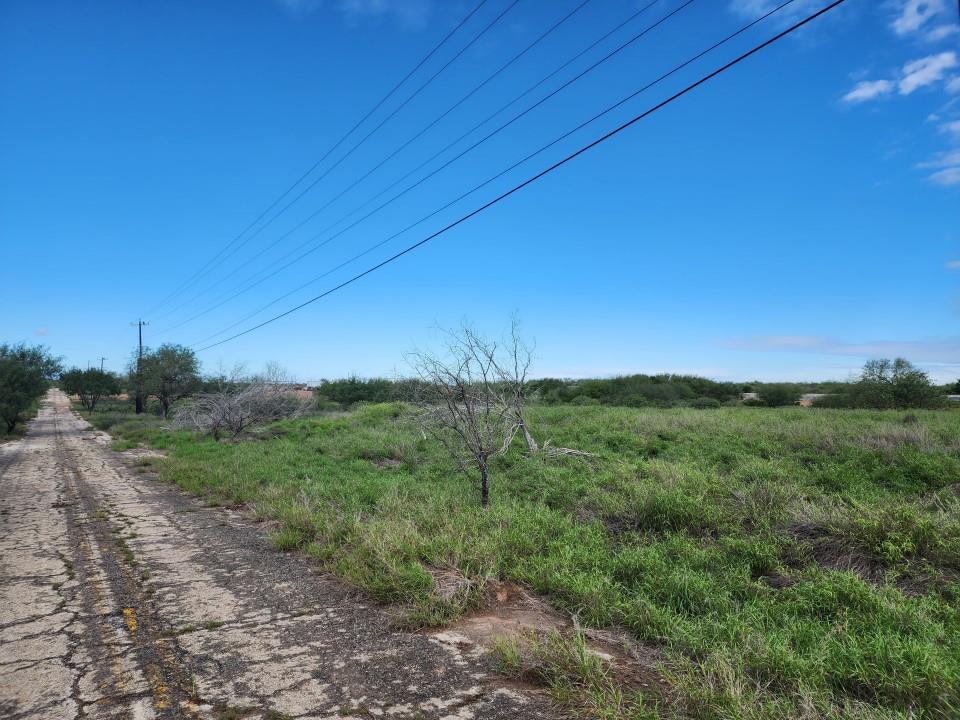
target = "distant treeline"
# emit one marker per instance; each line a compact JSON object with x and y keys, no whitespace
{"x":663,"y":390}
{"x":881,"y":384}
{"x":171,"y":373}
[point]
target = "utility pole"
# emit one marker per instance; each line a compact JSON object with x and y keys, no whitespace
{"x":101,"y":363}
{"x":139,"y":388}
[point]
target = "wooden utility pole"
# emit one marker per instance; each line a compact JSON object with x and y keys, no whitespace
{"x":139,"y":380}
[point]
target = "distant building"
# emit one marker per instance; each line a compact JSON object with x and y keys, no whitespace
{"x":808,"y":399}
{"x":750,"y":396}
{"x":953,"y":398}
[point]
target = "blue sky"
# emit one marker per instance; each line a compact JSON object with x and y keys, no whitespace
{"x":788,"y":220}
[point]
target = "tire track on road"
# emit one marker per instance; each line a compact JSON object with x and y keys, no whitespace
{"x":121,"y":597}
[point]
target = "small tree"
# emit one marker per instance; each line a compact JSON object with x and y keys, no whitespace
{"x":170,"y":373}
{"x":462,"y":404}
{"x":896,"y":383}
{"x":25,"y":374}
{"x":89,"y":385}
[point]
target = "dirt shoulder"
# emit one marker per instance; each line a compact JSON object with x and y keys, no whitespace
{"x":121,"y":597}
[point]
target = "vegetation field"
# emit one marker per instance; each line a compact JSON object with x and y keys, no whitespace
{"x":772,"y":563}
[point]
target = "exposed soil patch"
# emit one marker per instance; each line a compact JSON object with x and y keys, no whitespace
{"x":514,"y":612}
{"x":142,"y":452}
{"x":834,"y":552}
{"x":777,"y":580}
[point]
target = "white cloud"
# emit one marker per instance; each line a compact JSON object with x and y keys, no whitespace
{"x":914,"y":75}
{"x":921,"y":19}
{"x":942,"y":32}
{"x":942,"y":160}
{"x":947,"y":177}
{"x":868,"y":90}
{"x":951,"y":128}
{"x":947,"y":166}
{"x":953,"y":265}
{"x":914,"y":14}
{"x":926,"y":71}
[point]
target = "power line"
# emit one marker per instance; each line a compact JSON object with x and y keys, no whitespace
{"x":446,"y":164}
{"x":500,"y":174}
{"x":332,"y":148}
{"x":489,"y":180}
{"x":517,"y":56}
{"x":366,"y":137}
{"x":603,"y":138}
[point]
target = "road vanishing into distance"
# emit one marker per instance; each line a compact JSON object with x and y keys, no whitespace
{"x":121,"y":597}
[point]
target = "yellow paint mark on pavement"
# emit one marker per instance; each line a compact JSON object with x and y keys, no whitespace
{"x":161,"y":693}
{"x":130,"y":617}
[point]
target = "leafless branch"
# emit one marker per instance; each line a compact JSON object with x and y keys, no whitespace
{"x":240,"y":404}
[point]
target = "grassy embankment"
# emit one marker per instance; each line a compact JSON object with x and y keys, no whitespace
{"x":782,"y":563}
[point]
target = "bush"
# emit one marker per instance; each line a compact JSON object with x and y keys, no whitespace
{"x":704,"y":403}
{"x":778,"y":395}
{"x":664,"y":390}
{"x":352,"y":390}
{"x":25,"y":374}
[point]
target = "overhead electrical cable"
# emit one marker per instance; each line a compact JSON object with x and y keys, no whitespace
{"x":393,"y":154}
{"x":499,"y":198}
{"x":268,"y":272}
{"x":327,"y":154}
{"x":486,"y":182}
{"x":366,"y":137}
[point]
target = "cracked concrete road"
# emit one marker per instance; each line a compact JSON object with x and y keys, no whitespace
{"x":120,"y":597}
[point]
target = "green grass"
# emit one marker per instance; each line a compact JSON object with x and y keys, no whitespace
{"x":787,"y":563}
{"x":129,"y":429}
{"x":578,"y":679}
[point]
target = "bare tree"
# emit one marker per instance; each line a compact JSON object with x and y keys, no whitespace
{"x":512,"y":366}
{"x":472,"y":398}
{"x":240,"y":403}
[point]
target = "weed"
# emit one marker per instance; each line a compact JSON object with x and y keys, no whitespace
{"x":509,"y":655}
{"x":766,"y":551}
{"x":125,"y":550}
{"x":275,"y":715}
{"x":68,"y":565}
